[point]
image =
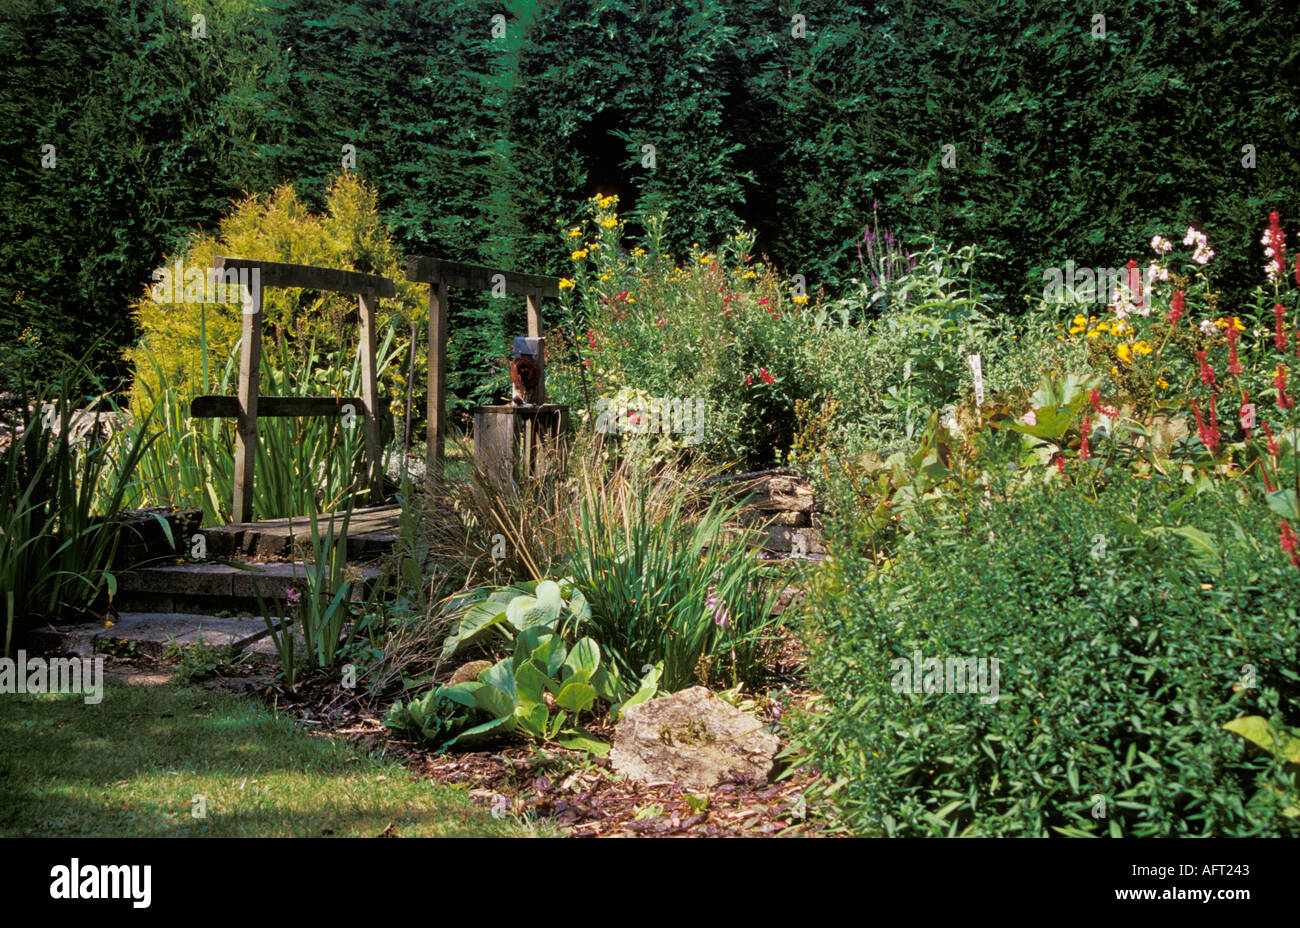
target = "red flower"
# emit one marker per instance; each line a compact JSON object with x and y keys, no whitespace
{"x":1297,"y":270}
{"x":1234,"y":365}
{"x":1279,"y":381}
{"x":1279,"y":333}
{"x":1059,"y":461}
{"x":766,"y":377}
{"x":1272,"y":442}
{"x":1084,"y":454}
{"x":1134,"y":279}
{"x":1177,"y":306}
{"x":1209,"y":434}
{"x":748,"y":380}
{"x":1288,"y":541}
{"x":1207,"y":372}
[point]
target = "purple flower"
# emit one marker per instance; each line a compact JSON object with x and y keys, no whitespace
{"x":293,"y":596}
{"x":720,"y":614}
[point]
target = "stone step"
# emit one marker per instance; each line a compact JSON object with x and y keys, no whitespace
{"x":149,"y":634}
{"x":208,"y":587}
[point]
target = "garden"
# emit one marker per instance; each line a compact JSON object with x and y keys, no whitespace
{"x":914,"y":507}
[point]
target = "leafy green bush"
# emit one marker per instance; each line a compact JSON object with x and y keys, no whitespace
{"x":540,"y":690}
{"x":1129,"y":630}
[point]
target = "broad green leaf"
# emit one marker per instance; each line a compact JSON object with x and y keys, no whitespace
{"x":576,"y":697}
{"x":500,"y":676}
{"x":484,"y":732}
{"x":579,"y":740}
{"x":1283,"y":502}
{"x":585,"y":655}
{"x":530,"y":683}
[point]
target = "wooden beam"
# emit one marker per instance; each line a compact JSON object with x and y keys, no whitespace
{"x":370,"y":396}
{"x":250,"y":368}
{"x":476,"y":277}
{"x":437,"y":400}
{"x":278,"y":274}
{"x":276,"y":407}
{"x":534,"y":301}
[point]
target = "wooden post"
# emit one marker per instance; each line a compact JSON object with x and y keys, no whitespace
{"x":535,"y":331}
{"x":370,"y":397}
{"x":437,"y":429}
{"x":250,"y":370}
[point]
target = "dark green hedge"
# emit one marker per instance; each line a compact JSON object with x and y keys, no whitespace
{"x":1066,"y":146}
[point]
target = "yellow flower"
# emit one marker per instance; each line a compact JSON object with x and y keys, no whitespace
{"x":609,"y":222}
{"x":749,"y":275}
{"x":606,"y":202}
{"x":1080,"y":321}
{"x":565,"y":283}
{"x":606,"y":276}
{"x":1142,"y":347}
{"x":1093,"y":334}
{"x":1125,"y":354}
{"x":575,"y":232}
{"x":638,"y":252}
{"x":579,"y":254}
{"x":1114,"y":371}
{"x":1162,"y":383}
{"x":705,"y":259}
{"x":801,"y":299}
{"x":1076,"y":329}
{"x":1105,"y":327}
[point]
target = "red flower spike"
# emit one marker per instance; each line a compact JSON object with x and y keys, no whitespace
{"x":1289,"y":542}
{"x":1084,"y":454}
{"x":1178,"y":305}
{"x":1234,"y":365}
{"x":1207,"y":372}
{"x":1209,"y":435}
{"x":1279,"y":381}
{"x":1272,"y":442}
{"x":1279,"y":332}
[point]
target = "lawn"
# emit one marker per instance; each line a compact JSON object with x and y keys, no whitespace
{"x":133,"y":765}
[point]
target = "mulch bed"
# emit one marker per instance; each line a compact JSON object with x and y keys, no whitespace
{"x":574,"y":790}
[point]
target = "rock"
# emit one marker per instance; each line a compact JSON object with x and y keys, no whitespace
{"x":467,"y":673}
{"x":692,"y":738}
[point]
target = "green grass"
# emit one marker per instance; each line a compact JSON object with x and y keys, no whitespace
{"x":132,"y":765}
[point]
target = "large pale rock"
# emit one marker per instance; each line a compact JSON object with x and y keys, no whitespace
{"x":692,"y":738}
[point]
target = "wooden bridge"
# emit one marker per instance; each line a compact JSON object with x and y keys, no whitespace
{"x":248,"y":406}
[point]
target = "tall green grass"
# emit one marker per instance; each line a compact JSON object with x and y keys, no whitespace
{"x":57,"y":500}
{"x":301,"y":463}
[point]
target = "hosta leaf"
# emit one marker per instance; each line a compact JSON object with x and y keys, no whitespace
{"x":576,"y":697}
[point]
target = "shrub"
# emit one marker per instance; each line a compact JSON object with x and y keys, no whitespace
{"x":303,"y":329}
{"x":1129,"y":629}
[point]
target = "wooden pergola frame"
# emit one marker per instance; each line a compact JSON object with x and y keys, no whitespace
{"x":247,"y":407}
{"x":440,"y":275}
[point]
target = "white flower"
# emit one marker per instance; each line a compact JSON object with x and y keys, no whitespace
{"x":1207,"y":327}
{"x":1156,"y":272}
{"x":1202,"y":254}
{"x":1190,"y":237}
{"x":1161,"y":245}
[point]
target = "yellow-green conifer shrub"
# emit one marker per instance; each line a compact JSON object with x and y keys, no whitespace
{"x":176,"y":323}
